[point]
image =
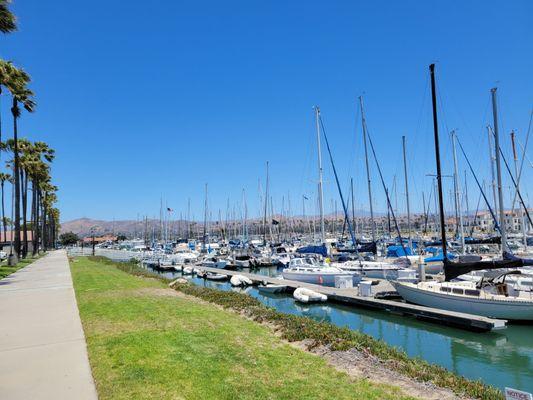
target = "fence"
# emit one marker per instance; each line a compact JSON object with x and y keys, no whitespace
{"x":112,"y":254}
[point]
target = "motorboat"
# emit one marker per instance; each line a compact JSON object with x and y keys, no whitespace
{"x":310,"y":271}
{"x":372,"y":269}
{"x":272,"y":288}
{"x":212,"y":276}
{"x":214,"y":262}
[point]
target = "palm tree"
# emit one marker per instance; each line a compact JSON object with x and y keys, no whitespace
{"x":3,"y":178}
{"x":38,"y":170}
{"x":17,"y":85}
{"x":8,"y":22}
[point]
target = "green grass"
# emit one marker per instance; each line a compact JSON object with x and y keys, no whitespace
{"x":6,"y":270}
{"x":296,"y":328}
{"x":145,"y":344}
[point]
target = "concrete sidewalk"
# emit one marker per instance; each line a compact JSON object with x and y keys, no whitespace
{"x":43,"y":354}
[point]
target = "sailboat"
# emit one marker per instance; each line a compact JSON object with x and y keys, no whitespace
{"x":490,"y":297}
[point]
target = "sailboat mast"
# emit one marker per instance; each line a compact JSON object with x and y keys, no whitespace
{"x":363,"y":121}
{"x":407,"y":194}
{"x":353,"y":206}
{"x":457,"y":193}
{"x":522,"y":219}
{"x":266,"y":207}
{"x":498,"y":169}
{"x":493,"y":174}
{"x":437,"y":160}
{"x":244,"y":216}
{"x":320,"y":189}
{"x":205,"y":219}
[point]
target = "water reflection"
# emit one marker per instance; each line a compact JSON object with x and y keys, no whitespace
{"x":502,"y":358}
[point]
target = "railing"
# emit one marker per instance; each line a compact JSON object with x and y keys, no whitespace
{"x":112,"y":254}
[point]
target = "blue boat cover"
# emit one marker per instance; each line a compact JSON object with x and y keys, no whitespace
{"x":322,"y":250}
{"x":439,"y":257}
{"x":398,"y":251}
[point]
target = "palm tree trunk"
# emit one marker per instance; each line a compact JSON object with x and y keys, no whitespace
{"x":44,"y":223}
{"x":14,"y":110}
{"x":24,"y":180}
{"x":24,"y":192}
{"x":35,"y":217}
{"x":3,"y":213}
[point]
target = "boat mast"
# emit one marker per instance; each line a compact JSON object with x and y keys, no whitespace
{"x":407,"y":195}
{"x":467,"y":203}
{"x":363,"y":121}
{"x":498,"y":170}
{"x":522,"y":219}
{"x":457,"y":193}
{"x":266,"y":207}
{"x":244,"y":216}
{"x":493,"y":174}
{"x":205,"y":220}
{"x":320,"y":189}
{"x":353,"y":206}
{"x":437,"y":160}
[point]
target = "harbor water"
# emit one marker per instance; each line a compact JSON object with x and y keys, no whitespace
{"x":501,"y":358}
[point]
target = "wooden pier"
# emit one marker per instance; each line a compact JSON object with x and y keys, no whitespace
{"x":351,"y":297}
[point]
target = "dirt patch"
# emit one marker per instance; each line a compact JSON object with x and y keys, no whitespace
{"x":360,"y":365}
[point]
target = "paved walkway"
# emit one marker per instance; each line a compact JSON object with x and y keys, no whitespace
{"x":43,"y":354}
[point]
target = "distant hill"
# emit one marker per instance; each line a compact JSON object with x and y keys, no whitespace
{"x":83,"y":226}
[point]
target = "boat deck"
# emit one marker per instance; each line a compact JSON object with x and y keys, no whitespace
{"x":352,"y":297}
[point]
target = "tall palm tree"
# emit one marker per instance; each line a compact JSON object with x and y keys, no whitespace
{"x":8,"y":22}
{"x":18,"y":87}
{"x":38,"y":171}
{"x":3,"y":178}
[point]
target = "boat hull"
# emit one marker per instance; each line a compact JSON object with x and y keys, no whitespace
{"x":316,"y":279}
{"x":493,"y":308}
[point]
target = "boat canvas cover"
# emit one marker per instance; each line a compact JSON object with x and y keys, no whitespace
{"x":439,"y":257}
{"x":525,"y":261}
{"x":454,"y":269}
{"x":322,"y":250}
{"x":491,"y":240}
{"x":398,"y":251}
{"x":367,"y":247}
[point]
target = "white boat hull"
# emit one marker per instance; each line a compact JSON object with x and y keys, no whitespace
{"x":324,"y":279}
{"x":493,"y":308}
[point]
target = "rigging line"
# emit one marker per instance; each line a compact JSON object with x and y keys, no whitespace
{"x":496,"y":225}
{"x":516,"y":187}
{"x":426,"y":213}
{"x":475,"y":215}
{"x":523,"y":155}
{"x":386,"y":193}
{"x":354,"y":241}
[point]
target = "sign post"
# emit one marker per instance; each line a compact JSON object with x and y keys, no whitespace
{"x":513,"y":394}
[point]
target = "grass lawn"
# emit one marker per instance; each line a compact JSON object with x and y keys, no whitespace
{"x":146,"y":342}
{"x":6,"y":270}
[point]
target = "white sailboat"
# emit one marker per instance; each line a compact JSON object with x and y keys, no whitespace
{"x":492,"y":297}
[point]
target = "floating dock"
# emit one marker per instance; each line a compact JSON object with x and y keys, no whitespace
{"x":351,"y":297}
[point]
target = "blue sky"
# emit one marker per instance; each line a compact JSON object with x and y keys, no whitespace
{"x":154,"y":99}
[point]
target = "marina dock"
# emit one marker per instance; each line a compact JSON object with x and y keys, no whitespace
{"x":351,"y":297}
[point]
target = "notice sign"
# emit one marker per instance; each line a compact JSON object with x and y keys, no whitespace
{"x":513,"y":394}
